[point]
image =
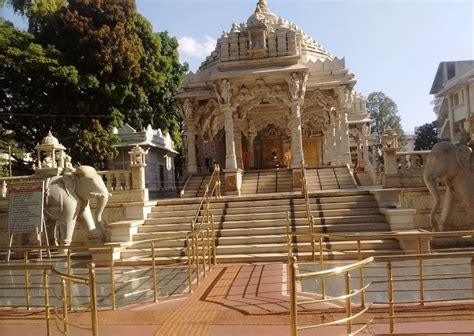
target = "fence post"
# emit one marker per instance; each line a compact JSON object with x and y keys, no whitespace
{"x":190,"y":273}
{"x":46,"y":302}
{"x":347,"y":279}
{"x":93,"y":298}
{"x":293,"y":305}
{"x":321,"y":267}
{"x":27,"y":279}
{"x":153,"y":269}
{"x":112,"y":279}
{"x":64,"y":302}
{"x":69,"y":272}
{"x":390,"y":296}
{"x":422,"y":274}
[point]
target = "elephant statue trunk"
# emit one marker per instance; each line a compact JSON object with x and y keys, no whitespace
{"x":432,"y":185}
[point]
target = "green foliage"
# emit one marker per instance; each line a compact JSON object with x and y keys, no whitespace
{"x":384,"y":112}
{"x":426,"y":136}
{"x":84,"y":68}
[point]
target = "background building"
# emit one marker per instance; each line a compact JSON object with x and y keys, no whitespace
{"x":453,"y":87}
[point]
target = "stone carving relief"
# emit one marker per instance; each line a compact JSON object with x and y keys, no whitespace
{"x":224,"y":92}
{"x":344,"y":96}
{"x":297,"y":85}
{"x":356,"y":134}
{"x":188,"y":108}
{"x":320,"y":99}
{"x":248,"y":99}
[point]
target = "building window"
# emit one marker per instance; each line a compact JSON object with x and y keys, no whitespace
{"x":456,"y":99}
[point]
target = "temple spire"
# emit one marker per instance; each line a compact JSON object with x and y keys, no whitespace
{"x":262,"y":7}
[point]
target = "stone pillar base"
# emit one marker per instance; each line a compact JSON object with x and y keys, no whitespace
{"x":409,"y":244}
{"x":297,"y":179}
{"x":233,"y":181}
{"x":400,"y":218}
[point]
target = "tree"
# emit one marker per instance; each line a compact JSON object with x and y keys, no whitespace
{"x":384,"y":112}
{"x":426,"y":136}
{"x":97,"y":64}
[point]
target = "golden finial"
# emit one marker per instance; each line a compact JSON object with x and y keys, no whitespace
{"x":262,"y":6}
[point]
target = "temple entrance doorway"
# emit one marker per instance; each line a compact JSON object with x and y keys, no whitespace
{"x":312,"y":151}
{"x":271,"y":144}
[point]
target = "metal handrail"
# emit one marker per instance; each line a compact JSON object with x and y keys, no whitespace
{"x":347,"y":297}
{"x":65,"y":278}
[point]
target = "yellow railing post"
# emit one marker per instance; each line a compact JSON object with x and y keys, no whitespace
{"x":391,"y":307}
{"x":47,"y":307}
{"x":361,"y":274}
{"x":112,"y":279}
{"x":93,"y":299}
{"x":293,"y":305}
{"x":288,"y":237}
{"x":348,"y":303}
{"x":27,"y":279}
{"x":69,"y":272}
{"x":64,"y":302}
{"x":209,"y":256}
{"x":214,"y":251}
{"x":422,"y":276}
{"x":190,"y":272}
{"x":153,"y":269}
{"x":321,"y":267}
{"x":203,"y":254}
{"x":313,"y":248}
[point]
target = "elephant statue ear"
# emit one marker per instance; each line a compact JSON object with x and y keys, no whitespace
{"x":70,"y":184}
{"x":463,"y":155}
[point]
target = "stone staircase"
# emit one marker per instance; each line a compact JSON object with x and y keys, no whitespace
{"x":267,"y":181}
{"x":253,"y":228}
{"x":196,"y":185}
{"x":278,"y":180}
{"x":362,"y":177}
{"x":327,"y":178}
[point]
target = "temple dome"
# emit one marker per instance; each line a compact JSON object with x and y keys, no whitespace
{"x":50,"y":140}
{"x":284,"y":39}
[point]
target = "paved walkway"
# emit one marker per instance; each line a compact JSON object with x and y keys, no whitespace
{"x":233,"y":300}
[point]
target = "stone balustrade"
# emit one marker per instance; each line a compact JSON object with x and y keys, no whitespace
{"x":411,"y":160}
{"x":117,"y":180}
{"x":403,"y":169}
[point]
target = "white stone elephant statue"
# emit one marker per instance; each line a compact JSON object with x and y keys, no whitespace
{"x":455,"y":163}
{"x":67,"y":202}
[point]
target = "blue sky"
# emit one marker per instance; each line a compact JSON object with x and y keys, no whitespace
{"x":391,"y":46}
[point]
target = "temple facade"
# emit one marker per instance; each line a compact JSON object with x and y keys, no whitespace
{"x":269,"y":96}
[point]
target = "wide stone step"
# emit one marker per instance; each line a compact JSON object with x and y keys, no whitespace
{"x":158,"y":212}
{"x":255,"y":249}
{"x":305,"y":247}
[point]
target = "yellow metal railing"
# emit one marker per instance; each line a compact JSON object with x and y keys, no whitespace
{"x":423,"y":278}
{"x":349,"y":293}
{"x":419,"y":254}
{"x":203,"y":232}
{"x":51,"y":313}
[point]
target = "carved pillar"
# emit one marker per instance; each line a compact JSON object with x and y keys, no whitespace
{"x":201,"y":154}
{"x":337,"y":140}
{"x":191,"y":147}
{"x":296,"y":137}
{"x":238,"y":143}
{"x":365,"y":142}
{"x":344,"y":96}
{"x":251,"y":150}
{"x":230,"y":157}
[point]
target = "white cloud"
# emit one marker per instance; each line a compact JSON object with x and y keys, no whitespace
{"x":189,"y":47}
